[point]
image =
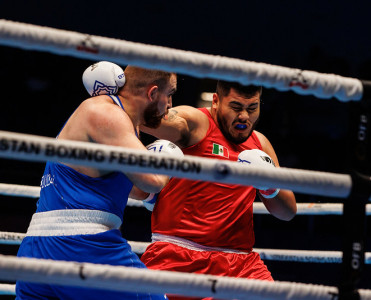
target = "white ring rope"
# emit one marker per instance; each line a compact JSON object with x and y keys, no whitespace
{"x":7,"y":289}
{"x":63,"y":42}
{"x":11,"y":238}
{"x":259,"y":208}
{"x":19,"y":190}
{"x":305,"y":256}
{"x":36,"y":148}
{"x":121,"y":278}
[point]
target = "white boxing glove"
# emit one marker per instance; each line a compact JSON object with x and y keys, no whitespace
{"x":165,"y":147}
{"x":103,"y":78}
{"x":161,"y":147}
{"x":258,"y":158}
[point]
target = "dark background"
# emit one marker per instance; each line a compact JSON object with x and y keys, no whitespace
{"x":39,"y":91}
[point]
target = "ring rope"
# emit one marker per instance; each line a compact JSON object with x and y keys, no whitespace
{"x":63,"y":42}
{"x":258,"y":207}
{"x":18,"y":190}
{"x":15,"y":238}
{"x":7,"y":289}
{"x":41,"y":149}
{"x":304,"y":256}
{"x":120,"y":278}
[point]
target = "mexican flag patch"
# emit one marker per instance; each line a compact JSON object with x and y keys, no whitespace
{"x":220,"y":150}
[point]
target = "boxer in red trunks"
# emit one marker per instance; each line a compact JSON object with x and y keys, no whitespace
{"x":207,"y":227}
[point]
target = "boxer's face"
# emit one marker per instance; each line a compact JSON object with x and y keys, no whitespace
{"x":237,"y":115}
{"x":160,"y":106}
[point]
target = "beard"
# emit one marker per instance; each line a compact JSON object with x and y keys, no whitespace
{"x":152,"y":117}
{"x":239,"y":139}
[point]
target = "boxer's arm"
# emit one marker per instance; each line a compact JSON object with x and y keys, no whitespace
{"x":137,"y":194}
{"x":106,"y":123}
{"x":184,"y":126}
{"x":163,"y":147}
{"x":149,"y":199}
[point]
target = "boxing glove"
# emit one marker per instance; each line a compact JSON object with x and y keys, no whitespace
{"x":161,"y":147}
{"x":103,"y":78}
{"x":165,"y":147}
{"x":258,"y":158}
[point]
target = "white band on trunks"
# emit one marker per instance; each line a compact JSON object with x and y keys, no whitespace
{"x":72,"y":222}
{"x":156,"y":237}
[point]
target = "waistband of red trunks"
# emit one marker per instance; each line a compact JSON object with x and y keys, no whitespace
{"x":157,"y":237}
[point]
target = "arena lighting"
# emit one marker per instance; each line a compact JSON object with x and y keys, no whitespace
{"x":206,"y":96}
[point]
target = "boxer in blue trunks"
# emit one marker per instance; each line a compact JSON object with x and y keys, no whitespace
{"x":80,"y":209}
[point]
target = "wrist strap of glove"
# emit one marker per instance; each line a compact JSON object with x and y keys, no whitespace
{"x":150,"y":201}
{"x":151,"y":197}
{"x":270,"y":193}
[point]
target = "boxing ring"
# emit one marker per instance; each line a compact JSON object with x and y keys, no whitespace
{"x":354,"y":189}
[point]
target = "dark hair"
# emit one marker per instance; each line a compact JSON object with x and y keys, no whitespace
{"x":138,"y":79}
{"x":223,"y":88}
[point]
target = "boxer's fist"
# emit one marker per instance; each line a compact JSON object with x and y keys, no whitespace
{"x":103,"y":78}
{"x":162,"y":147}
{"x":258,"y":158}
{"x":165,"y":147}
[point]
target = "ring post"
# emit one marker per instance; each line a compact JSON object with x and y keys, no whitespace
{"x":354,"y":209}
